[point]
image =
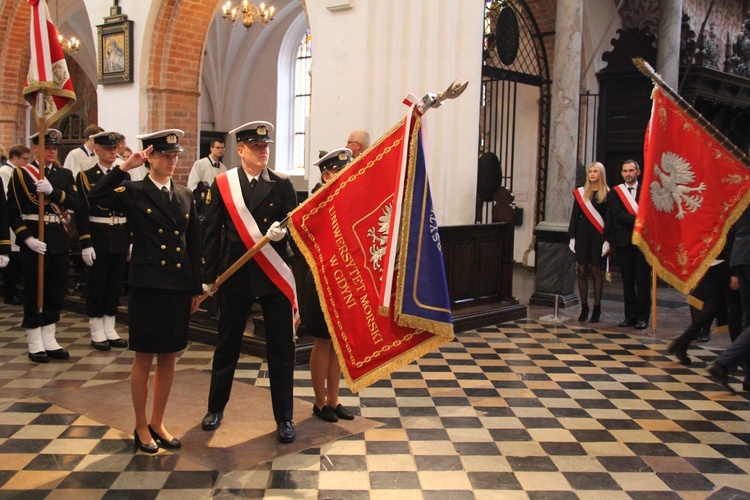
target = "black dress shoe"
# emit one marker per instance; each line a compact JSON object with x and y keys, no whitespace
{"x":641,"y":325}
{"x":151,"y":447}
{"x":119,"y":343}
{"x":39,"y":357}
{"x":173,"y":443}
{"x":101,"y":345}
{"x":212,"y":420}
{"x":679,"y":352}
{"x":343,"y":413}
{"x":584,"y":313}
{"x":58,"y":354}
{"x":627,"y":323}
{"x":596,"y":313}
{"x":721,"y":376}
{"x":326,"y":413}
{"x":285,"y":432}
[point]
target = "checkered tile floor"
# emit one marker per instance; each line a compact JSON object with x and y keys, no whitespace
{"x":521,"y":410}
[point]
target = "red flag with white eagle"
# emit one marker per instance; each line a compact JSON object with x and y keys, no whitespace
{"x":694,"y":189}
{"x":48,"y":71}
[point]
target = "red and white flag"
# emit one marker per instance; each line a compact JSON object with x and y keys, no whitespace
{"x":693,"y":190}
{"x":48,"y":71}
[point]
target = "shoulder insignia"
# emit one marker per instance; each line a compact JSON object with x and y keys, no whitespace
{"x":208,"y":197}
{"x":75,"y":188}
{"x":120,"y":189}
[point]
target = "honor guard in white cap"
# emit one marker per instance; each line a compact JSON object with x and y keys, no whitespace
{"x":164,"y":279}
{"x":60,"y":195}
{"x":325,"y":370}
{"x":266,"y":198}
{"x":105,"y":240}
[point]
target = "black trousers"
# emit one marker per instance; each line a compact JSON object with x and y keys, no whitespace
{"x":104,"y":284}
{"x":636,"y":282}
{"x":55,"y":283}
{"x":235,"y":303}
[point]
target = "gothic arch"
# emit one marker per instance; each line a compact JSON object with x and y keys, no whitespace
{"x":14,"y":64}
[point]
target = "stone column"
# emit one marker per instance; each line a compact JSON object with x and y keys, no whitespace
{"x":554,"y":261}
{"x":668,"y":48}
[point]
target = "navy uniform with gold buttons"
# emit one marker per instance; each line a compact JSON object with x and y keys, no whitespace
{"x":23,"y":213}
{"x":166,"y":257}
{"x":105,"y":238}
{"x":270,"y":200}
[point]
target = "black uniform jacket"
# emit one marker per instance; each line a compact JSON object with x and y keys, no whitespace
{"x":4,"y":224}
{"x":166,"y":236}
{"x":22,"y":199}
{"x":104,"y":237}
{"x":272,"y":200}
{"x":619,"y":224}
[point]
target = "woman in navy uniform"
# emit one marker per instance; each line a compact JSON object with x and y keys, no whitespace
{"x":105,"y":239}
{"x":60,"y":195}
{"x":324,"y":365}
{"x":164,"y":279}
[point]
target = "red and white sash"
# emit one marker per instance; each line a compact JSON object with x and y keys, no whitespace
{"x":627,"y":198}
{"x":588,"y":209}
{"x":61,"y":211}
{"x":268,"y":259}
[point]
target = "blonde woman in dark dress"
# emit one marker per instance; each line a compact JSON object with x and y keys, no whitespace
{"x":586,"y":233}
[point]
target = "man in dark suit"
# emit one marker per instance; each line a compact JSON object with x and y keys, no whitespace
{"x":60,"y":195}
{"x":622,"y":207}
{"x":105,"y":238}
{"x":247,"y":202}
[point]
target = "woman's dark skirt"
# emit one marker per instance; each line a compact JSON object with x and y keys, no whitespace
{"x":158,"y":319}
{"x":315,"y":322}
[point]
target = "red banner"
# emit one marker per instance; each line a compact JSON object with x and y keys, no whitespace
{"x":343,"y":231}
{"x":48,"y":71}
{"x":693,"y":190}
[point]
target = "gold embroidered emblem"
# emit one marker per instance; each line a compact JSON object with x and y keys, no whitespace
{"x":172,"y":139}
{"x":208,"y":197}
{"x":261,"y":130}
{"x":120,"y":189}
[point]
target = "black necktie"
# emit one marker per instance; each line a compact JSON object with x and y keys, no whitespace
{"x":253,"y":183}
{"x":216,"y":165}
{"x":165,"y":192}
{"x":630,"y":189}
{"x":91,"y":154}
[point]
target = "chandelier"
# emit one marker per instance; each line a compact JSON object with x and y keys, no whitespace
{"x":247,"y":13}
{"x":69,"y":45}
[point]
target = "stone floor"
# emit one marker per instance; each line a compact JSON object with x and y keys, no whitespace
{"x":520,"y":410}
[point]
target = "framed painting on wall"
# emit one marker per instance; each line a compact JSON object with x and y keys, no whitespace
{"x":115,"y":61}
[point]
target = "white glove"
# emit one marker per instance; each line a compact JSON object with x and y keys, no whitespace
{"x":275,"y":233}
{"x":208,"y":289}
{"x":572,"y":245}
{"x":130,"y":251}
{"x":4,"y":259}
{"x":89,"y":256}
{"x":43,"y":186}
{"x":34,"y":244}
{"x":605,"y":248}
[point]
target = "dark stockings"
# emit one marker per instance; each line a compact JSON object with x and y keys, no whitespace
{"x":583,"y":283}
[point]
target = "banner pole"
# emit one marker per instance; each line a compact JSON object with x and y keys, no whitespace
{"x":655,"y":320}
{"x":42,"y":125}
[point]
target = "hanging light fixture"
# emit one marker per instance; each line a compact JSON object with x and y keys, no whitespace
{"x":247,"y":13}
{"x":69,"y":45}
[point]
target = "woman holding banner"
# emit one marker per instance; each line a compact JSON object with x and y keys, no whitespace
{"x":586,"y":233}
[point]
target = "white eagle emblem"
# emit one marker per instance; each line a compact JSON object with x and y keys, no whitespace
{"x":675,"y":175}
{"x":379,"y":238}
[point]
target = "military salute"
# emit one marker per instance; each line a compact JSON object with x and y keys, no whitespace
{"x":245,"y":203}
{"x":60,"y":195}
{"x":105,"y":238}
{"x":164,"y":280}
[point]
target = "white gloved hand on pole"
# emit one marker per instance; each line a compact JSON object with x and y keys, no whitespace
{"x":43,"y":186}
{"x":276,"y":233}
{"x":34,"y":244}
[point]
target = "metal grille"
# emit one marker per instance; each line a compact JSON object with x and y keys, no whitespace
{"x":588,"y":116}
{"x":513,"y":53}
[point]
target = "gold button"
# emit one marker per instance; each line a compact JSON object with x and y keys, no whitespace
{"x":176,"y":233}
{"x":163,"y":263}
{"x":163,"y":247}
{"x":148,"y":210}
{"x":179,"y":266}
{"x":161,"y":231}
{"x":270,"y":204}
{"x":187,"y":216}
{"x":265,"y":220}
{"x":178,"y":249}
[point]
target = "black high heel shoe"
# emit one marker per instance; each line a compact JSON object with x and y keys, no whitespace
{"x":596,"y":313}
{"x":173,"y":443}
{"x":584,"y":313}
{"x":148,"y":447}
